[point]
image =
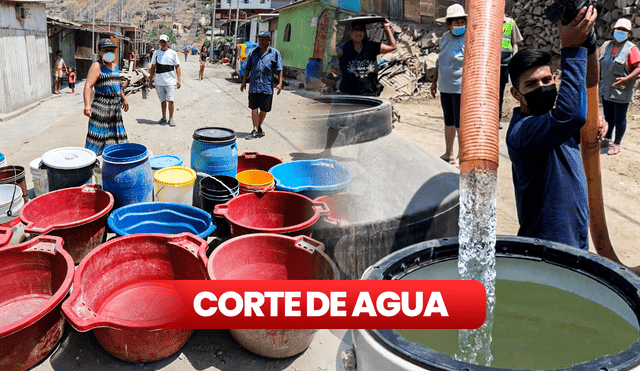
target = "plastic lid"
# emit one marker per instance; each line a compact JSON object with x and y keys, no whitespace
{"x":6,"y":191}
{"x":35,"y":163}
{"x":68,"y":158}
{"x":175,"y":176}
{"x":162,"y":161}
{"x":214,"y":135}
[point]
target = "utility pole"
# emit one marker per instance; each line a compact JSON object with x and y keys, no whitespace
{"x":213,"y":27}
{"x":93,"y":34}
{"x":235,"y":35}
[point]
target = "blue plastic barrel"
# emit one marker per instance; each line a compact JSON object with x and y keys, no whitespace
{"x":313,"y":72}
{"x":214,"y":152}
{"x":127,"y":174}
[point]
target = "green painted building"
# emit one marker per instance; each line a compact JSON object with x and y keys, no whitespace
{"x":305,"y":30}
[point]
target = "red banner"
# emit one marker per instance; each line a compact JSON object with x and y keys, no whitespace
{"x":398,"y":304}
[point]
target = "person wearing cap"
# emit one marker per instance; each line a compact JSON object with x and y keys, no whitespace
{"x":448,"y":76}
{"x":619,"y":68}
{"x":104,"y":112}
{"x":164,"y":74}
{"x":356,"y":60}
{"x":263,"y":62}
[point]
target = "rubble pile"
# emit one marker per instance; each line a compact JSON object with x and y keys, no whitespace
{"x":134,"y":80}
{"x":407,"y":71}
{"x":538,"y":32}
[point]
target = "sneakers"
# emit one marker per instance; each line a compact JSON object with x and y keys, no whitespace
{"x":255,"y":134}
{"x":162,"y":121}
{"x":172,"y":123}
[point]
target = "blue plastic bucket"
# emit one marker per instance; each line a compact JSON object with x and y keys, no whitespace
{"x":161,"y":217}
{"x":162,"y":161}
{"x":313,"y":73}
{"x":127,"y":173}
{"x":312,"y":178}
{"x":214,"y":152}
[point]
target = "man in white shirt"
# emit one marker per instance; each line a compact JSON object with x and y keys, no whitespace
{"x":165,"y":75}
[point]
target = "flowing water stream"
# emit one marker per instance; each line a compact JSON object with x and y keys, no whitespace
{"x":477,"y":256}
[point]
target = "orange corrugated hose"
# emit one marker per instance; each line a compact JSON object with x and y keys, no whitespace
{"x":590,"y":149}
{"x":479,"y":121}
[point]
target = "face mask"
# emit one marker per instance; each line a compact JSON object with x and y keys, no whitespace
{"x":458,"y":31}
{"x":541,"y":100}
{"x":109,"y":57}
{"x":619,"y":36}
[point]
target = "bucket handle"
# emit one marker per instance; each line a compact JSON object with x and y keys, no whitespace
{"x":336,"y":222}
{"x":189,"y":242}
{"x":309,"y":244}
{"x":90,"y":188}
{"x":158,"y":193}
{"x":321,"y":208}
{"x":81,"y":317}
{"x":231,"y":192}
{"x":5,"y":235}
{"x":250,"y":155}
{"x":47,"y":244}
{"x":220,"y":209}
{"x":15,"y":186}
{"x":29,"y":228}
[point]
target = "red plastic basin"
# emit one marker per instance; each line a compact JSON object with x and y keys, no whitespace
{"x":272,"y":257}
{"x":271,"y":212}
{"x":78,"y":215}
{"x":129,"y":319}
{"x":36,"y":276}
{"x":256,"y":161}
{"x":5,"y":235}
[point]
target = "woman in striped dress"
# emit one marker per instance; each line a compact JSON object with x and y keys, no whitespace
{"x":105,"y":118}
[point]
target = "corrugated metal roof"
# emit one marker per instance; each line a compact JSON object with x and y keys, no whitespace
{"x":293,"y":5}
{"x":61,"y":22}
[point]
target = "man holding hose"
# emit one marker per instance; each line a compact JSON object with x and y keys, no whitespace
{"x":543,"y":140}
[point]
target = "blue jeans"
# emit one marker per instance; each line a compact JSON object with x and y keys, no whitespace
{"x":616,"y":116}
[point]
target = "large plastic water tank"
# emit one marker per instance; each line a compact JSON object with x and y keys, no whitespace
{"x":405,"y":195}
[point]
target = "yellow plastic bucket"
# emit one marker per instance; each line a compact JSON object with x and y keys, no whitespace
{"x":174,"y":184}
{"x":254,"y":178}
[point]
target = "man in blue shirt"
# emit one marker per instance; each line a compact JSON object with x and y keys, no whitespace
{"x":263,"y":63}
{"x":543,"y":141}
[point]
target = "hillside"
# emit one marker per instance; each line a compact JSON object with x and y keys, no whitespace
{"x":135,"y":11}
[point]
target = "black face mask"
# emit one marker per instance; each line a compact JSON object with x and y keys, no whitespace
{"x":541,"y":100}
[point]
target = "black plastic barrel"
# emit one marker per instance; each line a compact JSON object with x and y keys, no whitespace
{"x":214,"y":190}
{"x":69,"y":178}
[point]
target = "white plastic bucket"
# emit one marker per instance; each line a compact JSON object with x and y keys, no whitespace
{"x":8,"y":191}
{"x":174,"y":184}
{"x":40,"y":177}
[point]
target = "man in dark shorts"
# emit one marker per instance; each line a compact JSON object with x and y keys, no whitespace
{"x":262,"y":63}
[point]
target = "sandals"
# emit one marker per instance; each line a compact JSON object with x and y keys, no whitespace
{"x":614,"y":149}
{"x":451,"y":160}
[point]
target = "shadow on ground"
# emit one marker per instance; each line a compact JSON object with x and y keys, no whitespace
{"x":205,"y":349}
{"x":147,"y":122}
